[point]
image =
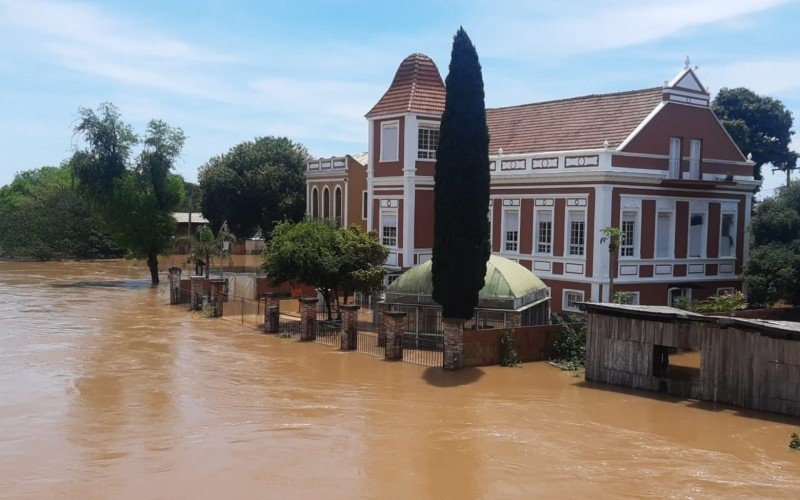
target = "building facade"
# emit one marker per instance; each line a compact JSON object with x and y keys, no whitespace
{"x":336,"y":189}
{"x":655,"y":162}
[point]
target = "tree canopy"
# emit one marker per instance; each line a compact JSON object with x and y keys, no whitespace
{"x":43,"y":217}
{"x":772,"y":273}
{"x":337,"y":261}
{"x":254,"y":185}
{"x":205,"y":246}
{"x":759,"y":125}
{"x":461,"y":189}
{"x":134,"y":197}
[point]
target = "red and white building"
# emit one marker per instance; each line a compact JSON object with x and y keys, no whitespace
{"x":656,"y":163}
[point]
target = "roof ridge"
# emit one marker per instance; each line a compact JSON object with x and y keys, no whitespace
{"x":576,"y":98}
{"x":415,"y":75}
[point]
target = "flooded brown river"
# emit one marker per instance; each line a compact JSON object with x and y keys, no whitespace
{"x":107,"y":392}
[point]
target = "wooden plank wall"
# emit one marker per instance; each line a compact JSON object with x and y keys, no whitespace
{"x":738,"y":367}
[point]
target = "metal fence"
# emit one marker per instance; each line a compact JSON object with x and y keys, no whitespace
{"x":328,"y":327}
{"x":369,"y":342}
{"x":423,"y":349}
{"x":288,"y":326}
{"x":244,"y":310}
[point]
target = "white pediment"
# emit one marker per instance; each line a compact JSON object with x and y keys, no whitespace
{"x":687,"y":80}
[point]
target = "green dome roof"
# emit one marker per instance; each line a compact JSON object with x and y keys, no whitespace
{"x":504,"y":279}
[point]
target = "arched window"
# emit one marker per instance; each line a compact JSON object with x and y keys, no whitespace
{"x":314,"y":203}
{"x":337,"y":204}
{"x":326,"y":203}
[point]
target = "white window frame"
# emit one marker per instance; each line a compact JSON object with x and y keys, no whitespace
{"x":395,"y":124}
{"x":703,"y":235}
{"x":695,"y":152}
{"x":396,"y":227}
{"x":633,"y":246}
{"x":430,"y":154}
{"x":537,"y":220}
{"x":670,"y":241}
{"x":504,"y":237}
{"x":735,"y":234}
{"x":565,"y":301}
{"x":686,"y":292}
{"x":568,"y":234}
{"x":675,"y":145}
{"x":364,"y":205}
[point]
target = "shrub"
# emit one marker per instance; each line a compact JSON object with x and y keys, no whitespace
{"x":508,"y":350}
{"x":286,"y":334}
{"x":795,"y":442}
{"x":622,"y":298}
{"x":569,"y":347}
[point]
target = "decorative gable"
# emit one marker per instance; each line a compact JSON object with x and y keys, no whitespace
{"x":686,"y":88}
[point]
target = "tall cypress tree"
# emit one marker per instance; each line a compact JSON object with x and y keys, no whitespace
{"x":461,"y":193}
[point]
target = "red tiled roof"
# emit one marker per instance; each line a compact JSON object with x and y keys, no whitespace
{"x":570,"y":124}
{"x":417,"y":87}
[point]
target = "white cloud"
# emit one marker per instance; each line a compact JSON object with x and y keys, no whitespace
{"x":769,"y":76}
{"x":524,"y":30}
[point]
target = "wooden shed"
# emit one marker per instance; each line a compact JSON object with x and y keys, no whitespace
{"x":750,"y":363}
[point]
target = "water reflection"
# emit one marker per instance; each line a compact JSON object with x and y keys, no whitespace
{"x":109,"y":392}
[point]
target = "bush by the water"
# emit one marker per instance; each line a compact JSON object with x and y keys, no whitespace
{"x":508,"y":350}
{"x":795,"y":442}
{"x":569,"y":347}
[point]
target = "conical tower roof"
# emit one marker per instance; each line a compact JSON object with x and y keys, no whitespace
{"x":417,"y":87}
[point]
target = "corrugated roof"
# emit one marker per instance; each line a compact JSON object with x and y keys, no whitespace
{"x":504,"y":279}
{"x":417,"y":87}
{"x":570,"y":124}
{"x":361,"y":158}
{"x":183,"y":218}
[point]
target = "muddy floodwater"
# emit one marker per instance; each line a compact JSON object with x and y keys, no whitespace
{"x":107,"y":392}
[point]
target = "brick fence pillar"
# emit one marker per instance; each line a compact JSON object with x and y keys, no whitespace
{"x":453,"y":343}
{"x":175,"y":285}
{"x":272,"y":312}
{"x":197,"y":292}
{"x":394,"y":321}
{"x":308,"y":317}
{"x":349,"y":326}
{"x":513,"y":319}
{"x":217,"y":297}
{"x":381,"y":308}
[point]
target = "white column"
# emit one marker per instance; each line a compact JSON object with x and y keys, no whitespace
{"x":602,"y":218}
{"x":748,"y":208}
{"x":370,"y":170}
{"x":409,"y":185}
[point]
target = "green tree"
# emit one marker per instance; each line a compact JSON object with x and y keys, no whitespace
{"x":612,"y":236}
{"x":772,"y":273}
{"x":336,"y":261}
{"x":461,"y":190}
{"x":205,"y":246}
{"x":254,"y":185}
{"x":134,"y":198}
{"x":759,"y":125}
{"x":43,"y":217}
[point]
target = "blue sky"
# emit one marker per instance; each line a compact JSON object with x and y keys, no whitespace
{"x":229,"y":71}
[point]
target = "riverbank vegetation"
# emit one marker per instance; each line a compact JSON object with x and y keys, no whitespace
{"x":43,"y":217}
{"x":132,"y":195}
